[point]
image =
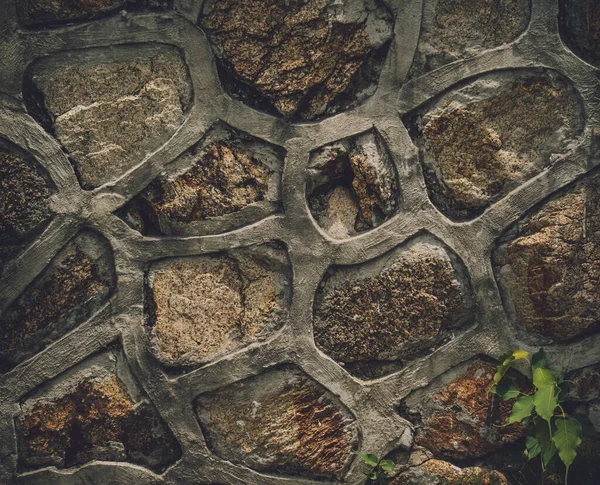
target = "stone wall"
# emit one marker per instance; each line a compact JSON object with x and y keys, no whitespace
{"x":241,"y":241}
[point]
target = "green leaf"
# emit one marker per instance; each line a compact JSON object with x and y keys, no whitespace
{"x":542,"y":434}
{"x":542,"y":377}
{"x":369,"y":458}
{"x":521,"y":409}
{"x":506,"y":390}
{"x":373,"y":475}
{"x":586,"y":425}
{"x":539,"y":359}
{"x":387,"y":465}
{"x":520,"y":354}
{"x":545,"y":401}
{"x":565,"y":388}
{"x":567,"y":438}
{"x":532,"y":447}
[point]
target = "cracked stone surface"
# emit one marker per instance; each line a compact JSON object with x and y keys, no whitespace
{"x":303,"y":59}
{"x":280,"y":421}
{"x":485,"y":139}
{"x":580,"y":28}
{"x":439,"y":472}
{"x":547,"y":266}
{"x":390,"y":309}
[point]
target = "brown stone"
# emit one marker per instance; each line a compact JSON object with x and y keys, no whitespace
{"x":548,"y":266}
{"x":280,"y":421}
{"x":96,"y":420}
{"x":458,"y":29}
{"x":77,"y":282}
{"x":476,"y":151}
{"x":440,"y":472}
{"x":585,"y":384}
{"x":391,"y":308}
{"x":353,"y":185}
{"x":205,"y":306}
{"x":580,"y":28}
{"x":299,"y":56}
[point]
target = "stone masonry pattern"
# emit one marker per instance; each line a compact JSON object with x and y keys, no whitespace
{"x":243,"y":241}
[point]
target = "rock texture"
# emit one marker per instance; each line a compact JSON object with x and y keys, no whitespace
{"x":24,"y":192}
{"x":204,"y":306}
{"x":580,"y":28}
{"x":304,"y":58}
{"x":458,"y":29}
{"x":392,"y":308}
{"x":77,"y":282}
{"x":439,"y":472}
{"x":280,"y":421}
{"x":353,"y":185}
{"x":482,"y":141}
{"x":455,"y":416}
{"x":229,"y":172}
{"x":548,"y":266}
{"x":112,"y":109}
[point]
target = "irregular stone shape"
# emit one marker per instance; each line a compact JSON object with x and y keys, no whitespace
{"x":202,"y":307}
{"x":280,"y":421}
{"x":438,"y":472}
{"x":580,"y":28}
{"x":304,"y":58}
{"x":352,"y":185}
{"x":109,"y":109}
{"x":93,"y":418}
{"x":482,"y":141}
{"x":548,"y":267}
{"x":230,"y":172}
{"x":75,"y":284}
{"x":458,"y":29}
{"x":457,"y":418}
{"x":24,"y":191}
{"x":391,"y":308}
{"x":52,"y":12}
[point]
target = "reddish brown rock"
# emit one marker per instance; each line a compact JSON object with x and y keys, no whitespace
{"x":438,"y":472}
{"x":304,"y":58}
{"x":580,"y":28}
{"x":548,"y":266}
{"x":280,"y":421}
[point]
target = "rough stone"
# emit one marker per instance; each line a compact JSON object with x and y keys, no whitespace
{"x":438,"y":472}
{"x":352,"y":185}
{"x":458,"y":29}
{"x":580,"y":28}
{"x":391,"y":308}
{"x":110,"y":110}
{"x":304,"y":58}
{"x":24,"y":192}
{"x":280,"y":421}
{"x":77,"y":282}
{"x":201,"y":307}
{"x":455,"y":416}
{"x":482,"y":141}
{"x":548,"y":266}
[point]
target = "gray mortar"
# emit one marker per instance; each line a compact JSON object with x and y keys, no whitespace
{"x":311,"y":252}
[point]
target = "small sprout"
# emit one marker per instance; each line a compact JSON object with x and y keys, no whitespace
{"x":378,"y":469}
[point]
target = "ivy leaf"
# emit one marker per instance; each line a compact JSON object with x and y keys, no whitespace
{"x":520,"y":354}
{"x":567,"y":437}
{"x":542,"y":377}
{"x":506,"y":390}
{"x":532,"y":447}
{"x":387,"y":465}
{"x":369,"y":458}
{"x":542,"y":434}
{"x":521,"y":409}
{"x":539,"y":359}
{"x":545,"y":401}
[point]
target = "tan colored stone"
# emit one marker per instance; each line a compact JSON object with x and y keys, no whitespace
{"x":445,"y":473}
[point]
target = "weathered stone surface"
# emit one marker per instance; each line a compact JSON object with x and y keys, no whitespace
{"x":353,"y":185}
{"x":391,"y":308}
{"x":438,"y":472}
{"x":92,"y":417}
{"x":483,"y":140}
{"x":456,"y":417}
{"x":580,"y":28}
{"x":548,"y":266}
{"x":202,"y":307}
{"x":109,"y":110}
{"x":458,"y":29}
{"x":304,"y":58}
{"x":77,"y":282}
{"x":24,"y":192}
{"x":229,"y":172}
{"x":280,"y":421}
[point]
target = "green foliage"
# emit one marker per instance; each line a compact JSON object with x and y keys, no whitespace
{"x":552,"y":431}
{"x":378,"y":469}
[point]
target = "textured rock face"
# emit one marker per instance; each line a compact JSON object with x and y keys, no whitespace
{"x":482,"y":141}
{"x":456,"y":417}
{"x":391,"y":308}
{"x":77,"y":282}
{"x":204,"y":306}
{"x":113,"y":109}
{"x":548,"y":266}
{"x":24,"y":192}
{"x":580,"y":28}
{"x":353,"y":185}
{"x":438,"y":472}
{"x":457,"y":29}
{"x":229,"y":172}
{"x":280,"y":421}
{"x":304,"y":58}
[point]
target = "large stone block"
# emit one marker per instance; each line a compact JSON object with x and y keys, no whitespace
{"x":580,"y":28}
